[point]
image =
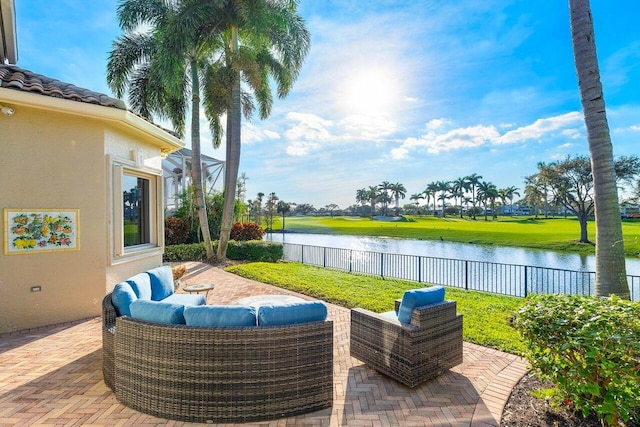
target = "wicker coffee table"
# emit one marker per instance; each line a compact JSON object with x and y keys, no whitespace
{"x":199,"y":287}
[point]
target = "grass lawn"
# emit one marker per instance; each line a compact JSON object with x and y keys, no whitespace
{"x":557,"y":234}
{"x":486,"y":316}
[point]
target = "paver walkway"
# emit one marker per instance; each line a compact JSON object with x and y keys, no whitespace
{"x":53,"y":377}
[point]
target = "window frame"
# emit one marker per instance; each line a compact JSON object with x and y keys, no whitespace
{"x":155,"y":216}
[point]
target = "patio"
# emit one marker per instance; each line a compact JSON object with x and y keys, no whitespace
{"x":53,"y":376}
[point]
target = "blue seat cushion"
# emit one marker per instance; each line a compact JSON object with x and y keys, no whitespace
{"x":292,"y":313}
{"x":157,"y":311}
{"x":186,"y":299}
{"x":161,"y":282}
{"x":418,"y":298}
{"x":121,"y":297}
{"x":220,"y":315}
{"x":141,"y":285}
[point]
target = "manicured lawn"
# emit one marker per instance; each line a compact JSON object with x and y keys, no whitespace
{"x":553,"y":234}
{"x":486,"y":316}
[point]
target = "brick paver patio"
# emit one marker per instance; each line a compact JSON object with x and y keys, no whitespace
{"x":53,"y":377}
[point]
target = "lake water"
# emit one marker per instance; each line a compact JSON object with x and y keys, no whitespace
{"x":462,"y":251}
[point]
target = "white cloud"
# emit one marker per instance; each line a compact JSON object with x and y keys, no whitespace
{"x":368,"y":126}
{"x":301,"y":148}
{"x":456,"y":139}
{"x":435,"y":124}
{"x":437,"y":139}
{"x":252,"y":134}
{"x":540,"y":127}
{"x":306,"y":132}
{"x":635,"y":128}
{"x":572,"y":133}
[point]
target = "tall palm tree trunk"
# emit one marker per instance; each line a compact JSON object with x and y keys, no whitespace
{"x":611,"y":276}
{"x":232,"y":164}
{"x":196,"y":159}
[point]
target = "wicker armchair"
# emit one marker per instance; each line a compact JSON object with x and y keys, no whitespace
{"x":410,"y":353}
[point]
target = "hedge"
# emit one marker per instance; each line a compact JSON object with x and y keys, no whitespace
{"x":253,"y":250}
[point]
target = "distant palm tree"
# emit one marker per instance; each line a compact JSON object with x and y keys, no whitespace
{"x":510,"y":192}
{"x":487,"y":192}
{"x":473,"y":180}
{"x":458,"y":188}
{"x":384,"y":188}
{"x":372,"y":195}
{"x":533,"y":194}
{"x":397,"y":191}
{"x":432,"y":190}
{"x":362,"y":196}
{"x":416,"y":197}
{"x":611,"y":276}
{"x":443,"y":187}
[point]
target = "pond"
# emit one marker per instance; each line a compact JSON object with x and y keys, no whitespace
{"x":462,"y":251}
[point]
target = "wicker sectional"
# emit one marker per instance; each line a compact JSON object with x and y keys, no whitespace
{"x":218,"y":375}
{"x":410,"y":353}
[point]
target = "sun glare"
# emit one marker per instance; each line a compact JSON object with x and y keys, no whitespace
{"x":370,"y":93}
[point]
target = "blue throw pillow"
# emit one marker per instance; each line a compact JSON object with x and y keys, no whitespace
{"x":185,"y":299}
{"x":121,"y":297}
{"x":417,"y":298}
{"x":157,"y":311}
{"x":220,"y":315}
{"x":288,"y":314}
{"x":141,"y":285}
{"x":161,"y":282}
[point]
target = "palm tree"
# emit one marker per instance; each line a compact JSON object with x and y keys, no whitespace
{"x":533,"y":195}
{"x":611,"y":275}
{"x":398,"y":192}
{"x":458,"y":188}
{"x":443,"y":187}
{"x":430,"y":191}
{"x":362,"y":196}
{"x":416,"y":197}
{"x":283,"y":208}
{"x":510,"y":192}
{"x":372,"y":196}
{"x":263,"y":41}
{"x":384,"y":188}
{"x":154,"y":67}
{"x":487,"y":192}
{"x":473,"y":180}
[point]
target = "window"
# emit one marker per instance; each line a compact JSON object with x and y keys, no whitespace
{"x":137,"y":212}
{"x":135,"y":209}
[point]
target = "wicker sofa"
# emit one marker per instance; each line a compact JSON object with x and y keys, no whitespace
{"x":229,"y":374}
{"x":416,"y":342}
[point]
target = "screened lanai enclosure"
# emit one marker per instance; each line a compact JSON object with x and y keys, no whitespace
{"x":176,"y":170}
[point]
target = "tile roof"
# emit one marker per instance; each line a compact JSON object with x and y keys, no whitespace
{"x":13,"y":77}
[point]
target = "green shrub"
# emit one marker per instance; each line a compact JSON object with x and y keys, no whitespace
{"x":185,"y":252}
{"x":589,"y":348}
{"x":243,"y":231}
{"x":255,"y":250}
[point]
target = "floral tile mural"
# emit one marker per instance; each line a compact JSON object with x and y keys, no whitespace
{"x":40,"y":230}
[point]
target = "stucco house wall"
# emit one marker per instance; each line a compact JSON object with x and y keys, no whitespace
{"x":59,"y":152}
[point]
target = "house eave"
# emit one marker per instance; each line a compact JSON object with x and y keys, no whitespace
{"x":119,"y":118}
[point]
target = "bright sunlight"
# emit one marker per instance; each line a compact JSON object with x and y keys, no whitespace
{"x":370,"y":92}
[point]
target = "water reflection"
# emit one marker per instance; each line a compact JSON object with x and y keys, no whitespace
{"x":440,"y":249}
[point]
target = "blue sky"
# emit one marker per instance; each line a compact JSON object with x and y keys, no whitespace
{"x":398,"y":91}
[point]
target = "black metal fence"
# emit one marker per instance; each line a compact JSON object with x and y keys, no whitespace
{"x":505,"y":279}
